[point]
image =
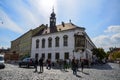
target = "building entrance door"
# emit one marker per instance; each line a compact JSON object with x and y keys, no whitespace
{"x":36,"y":56}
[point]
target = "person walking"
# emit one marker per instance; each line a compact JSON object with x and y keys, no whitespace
{"x":36,"y":64}
{"x":82,"y":65}
{"x":77,"y":64}
{"x":41,"y":65}
{"x":61,"y":64}
{"x":48,"y":64}
{"x":74,"y":66}
{"x":65,"y":65}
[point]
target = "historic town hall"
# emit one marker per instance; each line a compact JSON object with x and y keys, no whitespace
{"x":63,"y":41}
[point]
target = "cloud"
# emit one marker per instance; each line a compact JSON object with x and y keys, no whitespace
{"x":8,"y":23}
{"x":32,"y":13}
{"x":116,"y":37}
{"x":29,"y":13}
{"x":42,"y":9}
{"x":106,"y":41}
{"x":113,"y":29}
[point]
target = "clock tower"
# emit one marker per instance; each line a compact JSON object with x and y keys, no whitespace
{"x":53,"y":22}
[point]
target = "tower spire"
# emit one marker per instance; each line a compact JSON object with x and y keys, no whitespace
{"x":53,"y":9}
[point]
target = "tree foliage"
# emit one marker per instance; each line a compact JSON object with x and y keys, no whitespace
{"x":99,"y":52}
{"x":115,"y":55}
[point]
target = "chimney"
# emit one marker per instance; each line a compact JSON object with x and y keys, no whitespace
{"x":70,"y":21}
{"x":63,"y":24}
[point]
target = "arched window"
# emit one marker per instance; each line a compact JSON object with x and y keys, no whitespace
{"x":37,"y":43}
{"x":57,"y":41}
{"x":49,"y":42}
{"x":65,"y":40}
{"x":43,"y":43}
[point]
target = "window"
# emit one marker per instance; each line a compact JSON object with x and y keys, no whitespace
{"x":49,"y":55}
{"x":43,"y":43}
{"x":49,"y":42}
{"x":57,"y":42}
{"x":78,"y":42}
{"x":65,"y":40}
{"x":66,"y":55}
{"x":37,"y":43}
{"x":57,"y":56}
{"x":43,"y":55}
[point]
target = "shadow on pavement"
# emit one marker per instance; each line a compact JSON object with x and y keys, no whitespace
{"x":40,"y":72}
{"x":102,"y":67}
{"x":78,"y":76}
{"x":85,"y":73}
{"x":27,"y":67}
{"x":64,"y":71}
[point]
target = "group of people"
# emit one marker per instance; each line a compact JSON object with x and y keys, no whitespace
{"x":63,"y":65}
{"x":75,"y":66}
{"x":40,"y":62}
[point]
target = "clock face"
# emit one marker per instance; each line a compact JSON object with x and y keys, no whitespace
{"x":51,"y":20}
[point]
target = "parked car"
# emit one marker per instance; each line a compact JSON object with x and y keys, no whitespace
{"x":2,"y":64}
{"x":26,"y":62}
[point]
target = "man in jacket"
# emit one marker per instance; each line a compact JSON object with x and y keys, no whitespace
{"x":41,"y":64}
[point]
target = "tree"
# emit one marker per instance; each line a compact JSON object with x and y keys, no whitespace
{"x":99,"y":52}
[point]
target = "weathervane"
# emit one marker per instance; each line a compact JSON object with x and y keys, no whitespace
{"x":53,"y":9}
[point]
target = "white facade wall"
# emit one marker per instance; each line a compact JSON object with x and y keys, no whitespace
{"x":61,"y":49}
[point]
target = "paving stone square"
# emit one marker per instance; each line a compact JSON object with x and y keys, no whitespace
{"x":109,"y":71}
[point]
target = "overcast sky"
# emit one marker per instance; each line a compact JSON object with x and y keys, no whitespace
{"x":101,"y":18}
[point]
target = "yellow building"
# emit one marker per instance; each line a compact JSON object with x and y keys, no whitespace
{"x":114,"y":54}
{"x":22,"y":45}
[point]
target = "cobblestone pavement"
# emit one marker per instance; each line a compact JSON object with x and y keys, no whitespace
{"x":110,"y":71}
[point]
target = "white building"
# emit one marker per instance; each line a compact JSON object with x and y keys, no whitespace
{"x":63,"y":41}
